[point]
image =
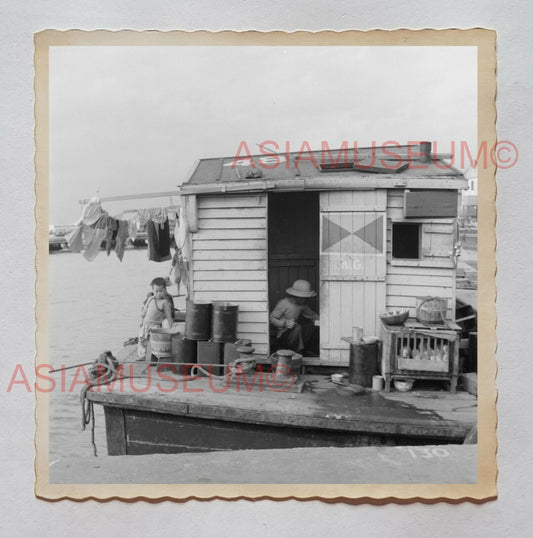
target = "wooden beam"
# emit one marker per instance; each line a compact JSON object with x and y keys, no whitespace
{"x":192,"y":212}
{"x":345,"y":182}
{"x":163,"y":194}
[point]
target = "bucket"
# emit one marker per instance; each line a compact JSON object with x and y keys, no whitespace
{"x":357,"y":333}
{"x":161,"y":342}
{"x":363,"y":363}
{"x":431,"y":310}
{"x":377,"y":382}
{"x":224,"y":322}
{"x":198,"y":320}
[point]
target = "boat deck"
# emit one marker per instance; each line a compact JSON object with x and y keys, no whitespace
{"x":153,"y":412}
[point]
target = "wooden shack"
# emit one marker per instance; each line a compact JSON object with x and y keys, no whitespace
{"x":371,"y":230}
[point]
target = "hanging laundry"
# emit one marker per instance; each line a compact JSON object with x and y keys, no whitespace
{"x":158,"y":241}
{"x":133,"y":226}
{"x":157,"y":214}
{"x":142,"y":217}
{"x":180,"y":234}
{"x":121,"y":238}
{"x":80,"y":238}
{"x":100,"y":232}
{"x":111,"y":235}
{"x":92,"y":212}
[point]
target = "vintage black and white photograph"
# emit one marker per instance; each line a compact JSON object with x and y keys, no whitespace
{"x":262,"y":264}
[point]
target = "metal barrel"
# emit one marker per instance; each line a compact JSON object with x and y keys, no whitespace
{"x":198,"y":320}
{"x":183,"y":350}
{"x":363,"y":363}
{"x":224,"y":322}
{"x":210,"y":353}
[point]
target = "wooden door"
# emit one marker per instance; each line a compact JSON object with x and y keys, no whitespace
{"x":352,"y":267}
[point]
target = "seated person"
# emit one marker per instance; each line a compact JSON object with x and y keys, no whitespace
{"x":293,"y":321}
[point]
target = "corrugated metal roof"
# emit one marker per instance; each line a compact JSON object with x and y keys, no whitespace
{"x":318,"y":163}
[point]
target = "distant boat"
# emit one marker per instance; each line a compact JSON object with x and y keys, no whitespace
{"x":56,"y":243}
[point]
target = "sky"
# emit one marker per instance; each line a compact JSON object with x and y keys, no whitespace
{"x":133,"y":120}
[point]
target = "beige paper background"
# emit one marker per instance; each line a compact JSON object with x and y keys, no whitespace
{"x":485,"y":489}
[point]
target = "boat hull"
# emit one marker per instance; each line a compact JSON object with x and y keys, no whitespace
{"x":198,"y":417}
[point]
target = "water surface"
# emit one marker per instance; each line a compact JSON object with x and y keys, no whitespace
{"x":93,"y":307}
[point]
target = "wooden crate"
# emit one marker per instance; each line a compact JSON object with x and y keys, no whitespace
{"x":443,"y":366}
{"x":423,"y":365}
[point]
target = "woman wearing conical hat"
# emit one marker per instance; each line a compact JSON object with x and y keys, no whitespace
{"x":293,"y":321}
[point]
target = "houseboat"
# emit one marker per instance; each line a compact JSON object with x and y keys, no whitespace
{"x":373,"y":232}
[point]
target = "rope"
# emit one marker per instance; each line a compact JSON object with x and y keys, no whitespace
{"x":235,"y":367}
{"x":87,"y":415}
{"x":104,"y":368}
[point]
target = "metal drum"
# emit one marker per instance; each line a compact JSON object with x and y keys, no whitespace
{"x":198,"y":320}
{"x":224,"y":322}
{"x":183,"y":350}
{"x":363,"y":363}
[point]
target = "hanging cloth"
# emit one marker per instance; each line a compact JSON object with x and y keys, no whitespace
{"x":100,"y":231}
{"x":92,"y":212}
{"x":158,"y":241}
{"x":111,"y":235}
{"x":133,"y":226}
{"x":158,"y":215}
{"x":121,"y":239}
{"x":80,"y":238}
{"x":143,"y":216}
{"x":180,"y":234}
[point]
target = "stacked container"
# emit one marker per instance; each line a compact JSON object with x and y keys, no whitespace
{"x":211,"y":326}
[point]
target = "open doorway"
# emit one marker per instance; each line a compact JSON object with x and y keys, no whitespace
{"x":293,"y":247}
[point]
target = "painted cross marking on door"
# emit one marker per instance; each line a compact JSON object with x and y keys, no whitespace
{"x":370,"y":234}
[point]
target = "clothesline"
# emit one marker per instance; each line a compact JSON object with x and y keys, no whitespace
{"x":96,"y":225}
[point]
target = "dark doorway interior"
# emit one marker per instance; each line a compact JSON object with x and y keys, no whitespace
{"x":293,"y":243}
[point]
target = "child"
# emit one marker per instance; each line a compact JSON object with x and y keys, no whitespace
{"x":292,"y":320}
{"x":156,"y":308}
{"x":181,"y":271}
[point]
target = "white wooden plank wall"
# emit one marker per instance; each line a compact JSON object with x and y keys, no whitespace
{"x":434,"y":276}
{"x":229,"y":260}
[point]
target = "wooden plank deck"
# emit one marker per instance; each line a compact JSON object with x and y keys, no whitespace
{"x":153,"y":414}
